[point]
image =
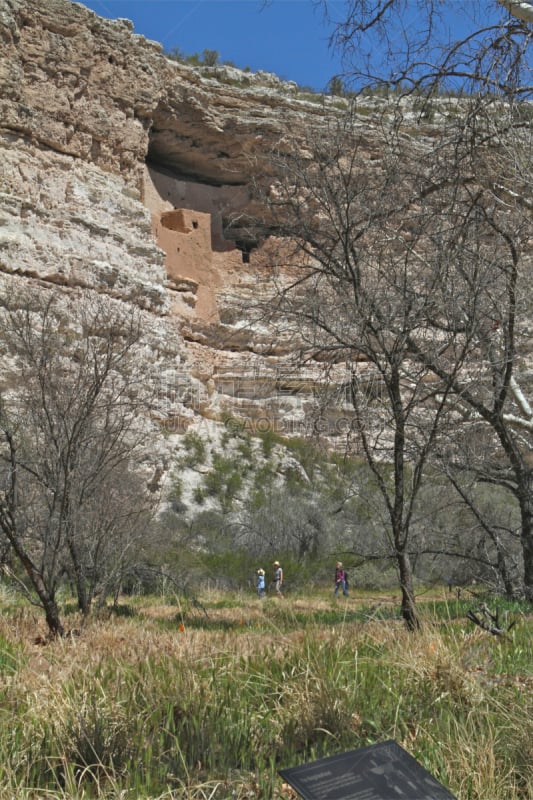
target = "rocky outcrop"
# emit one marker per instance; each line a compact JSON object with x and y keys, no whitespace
{"x":77,"y":84}
{"x":65,"y":221}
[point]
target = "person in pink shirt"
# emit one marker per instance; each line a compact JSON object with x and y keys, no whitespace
{"x":341,"y":580}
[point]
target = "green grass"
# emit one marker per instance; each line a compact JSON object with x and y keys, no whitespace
{"x":10,"y":657}
{"x":210,"y":704}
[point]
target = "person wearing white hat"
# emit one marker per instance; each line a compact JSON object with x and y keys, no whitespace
{"x":277,"y":578}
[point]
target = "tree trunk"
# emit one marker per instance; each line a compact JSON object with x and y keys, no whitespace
{"x":45,"y":594}
{"x":84,"y":602}
{"x":52,"y":617}
{"x":526,"y":537}
{"x":79,"y":576}
{"x":524,"y":493}
{"x":503,"y":571}
{"x":409,"y":612}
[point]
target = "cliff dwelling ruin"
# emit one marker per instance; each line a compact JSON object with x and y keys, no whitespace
{"x":189,"y":224}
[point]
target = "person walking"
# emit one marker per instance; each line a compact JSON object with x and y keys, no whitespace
{"x":341,"y":580}
{"x":260,"y":583}
{"x":277,"y":578}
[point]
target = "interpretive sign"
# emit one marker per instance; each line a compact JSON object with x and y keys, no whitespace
{"x":382,"y":771}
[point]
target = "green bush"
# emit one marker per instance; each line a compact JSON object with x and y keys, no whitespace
{"x":224,"y":481}
{"x":198,"y":495}
{"x":210,"y":58}
{"x":268,"y":439}
{"x":195,"y":449}
{"x":336,"y":86}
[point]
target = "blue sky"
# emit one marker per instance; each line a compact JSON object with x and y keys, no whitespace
{"x":287,"y":37}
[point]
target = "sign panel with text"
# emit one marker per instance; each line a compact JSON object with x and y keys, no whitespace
{"x":382,"y":771}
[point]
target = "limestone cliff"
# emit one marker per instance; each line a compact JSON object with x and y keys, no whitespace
{"x":119,"y":171}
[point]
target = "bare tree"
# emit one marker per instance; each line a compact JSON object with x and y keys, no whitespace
{"x":73,"y":428}
{"x":358,"y":292}
{"x":460,"y":218}
{"x":495,"y":536}
{"x":462,"y":46}
{"x":482,"y":294}
{"x":112,"y":533}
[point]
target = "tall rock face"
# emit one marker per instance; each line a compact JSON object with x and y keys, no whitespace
{"x":119,"y":170}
